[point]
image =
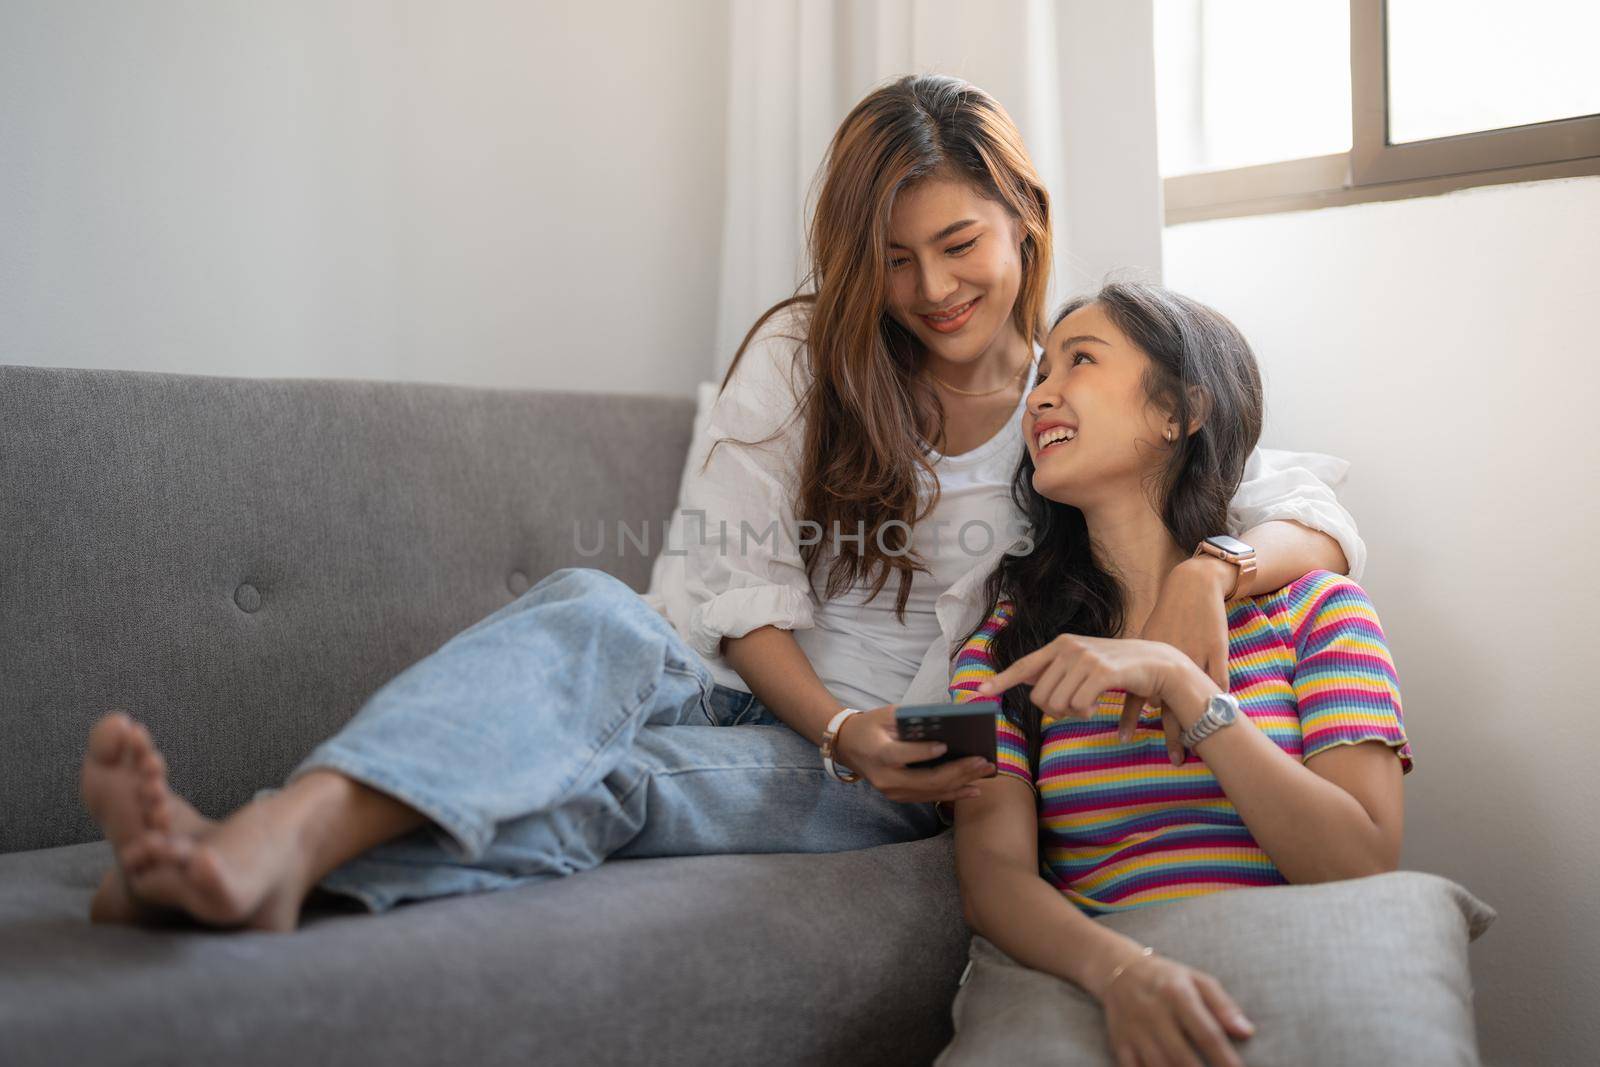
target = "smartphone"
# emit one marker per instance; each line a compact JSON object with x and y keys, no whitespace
{"x":966,"y":729}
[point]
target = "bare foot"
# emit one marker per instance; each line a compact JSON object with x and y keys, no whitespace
{"x":124,"y":786}
{"x":114,"y":902}
{"x":250,"y":870}
{"x":162,"y":874}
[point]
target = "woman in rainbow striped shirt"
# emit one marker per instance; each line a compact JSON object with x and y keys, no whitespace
{"x":1145,"y":408}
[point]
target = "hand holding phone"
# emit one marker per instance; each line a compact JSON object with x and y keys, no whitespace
{"x":965,"y":729}
{"x":873,"y":745}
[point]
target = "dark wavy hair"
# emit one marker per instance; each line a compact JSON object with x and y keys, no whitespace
{"x":1201,"y":368}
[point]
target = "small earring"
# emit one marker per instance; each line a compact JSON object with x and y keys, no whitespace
{"x":1167,"y":434}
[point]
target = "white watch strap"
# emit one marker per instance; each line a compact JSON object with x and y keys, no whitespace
{"x":833,"y":729}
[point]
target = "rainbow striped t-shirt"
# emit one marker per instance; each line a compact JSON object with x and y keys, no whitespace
{"x":1121,"y":827}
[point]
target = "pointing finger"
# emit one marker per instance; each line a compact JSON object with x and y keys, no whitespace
{"x":1025,"y":669}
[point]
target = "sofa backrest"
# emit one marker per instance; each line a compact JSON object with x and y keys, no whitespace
{"x":239,"y":563}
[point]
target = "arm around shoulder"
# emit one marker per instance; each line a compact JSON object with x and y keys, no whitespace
{"x":1298,"y":487}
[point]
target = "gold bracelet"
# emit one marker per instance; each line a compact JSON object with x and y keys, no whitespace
{"x":1145,"y":953}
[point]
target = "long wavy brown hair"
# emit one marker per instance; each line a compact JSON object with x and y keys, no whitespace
{"x":870,"y":418}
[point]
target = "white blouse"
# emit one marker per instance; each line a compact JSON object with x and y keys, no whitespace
{"x":732,"y":560}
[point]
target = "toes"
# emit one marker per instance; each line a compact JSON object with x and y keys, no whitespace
{"x":154,"y":808}
{"x":152,"y":787}
{"x":152,"y":764}
{"x":158,"y":814}
{"x":140,"y":744}
{"x":108,"y":736}
{"x":135,"y":855}
{"x":148,"y":850}
{"x":189,"y":877}
{"x":176,"y":850}
{"x":160,"y":848}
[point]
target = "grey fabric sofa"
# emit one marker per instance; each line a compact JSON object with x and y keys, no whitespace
{"x":239,"y":563}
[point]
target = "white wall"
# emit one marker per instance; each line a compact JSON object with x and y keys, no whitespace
{"x":499,"y":193}
{"x":1448,"y":346}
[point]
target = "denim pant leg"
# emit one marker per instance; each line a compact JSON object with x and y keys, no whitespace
{"x":756,"y":787}
{"x":527,"y":708}
{"x":745,"y":784}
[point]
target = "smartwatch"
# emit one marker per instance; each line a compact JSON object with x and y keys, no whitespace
{"x":1234,"y":551}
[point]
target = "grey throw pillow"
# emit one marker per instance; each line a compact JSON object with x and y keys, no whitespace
{"x":1366,"y":971}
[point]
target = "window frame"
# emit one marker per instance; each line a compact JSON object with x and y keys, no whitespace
{"x":1376,"y":170}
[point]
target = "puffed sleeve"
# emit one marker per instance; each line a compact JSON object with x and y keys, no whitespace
{"x":1297,"y":486}
{"x":1344,"y":678}
{"x":742,"y":565}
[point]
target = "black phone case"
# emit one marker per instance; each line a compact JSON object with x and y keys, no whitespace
{"x":966,"y":729}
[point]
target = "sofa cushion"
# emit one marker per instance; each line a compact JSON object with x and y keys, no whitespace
{"x":774,"y":959}
{"x":1366,"y":971}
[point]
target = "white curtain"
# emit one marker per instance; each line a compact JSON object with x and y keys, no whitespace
{"x":1076,"y":75}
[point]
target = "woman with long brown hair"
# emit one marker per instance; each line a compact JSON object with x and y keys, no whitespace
{"x":855,"y":470}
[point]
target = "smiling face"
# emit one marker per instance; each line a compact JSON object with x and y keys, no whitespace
{"x":1090,"y":427}
{"x":955,"y":266}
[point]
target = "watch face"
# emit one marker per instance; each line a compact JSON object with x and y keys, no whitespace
{"x":1231,"y":545}
{"x":1224,"y":709}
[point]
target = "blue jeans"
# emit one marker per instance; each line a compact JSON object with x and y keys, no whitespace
{"x":574,"y":725}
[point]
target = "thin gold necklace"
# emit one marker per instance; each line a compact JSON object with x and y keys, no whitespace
{"x":1007,"y":384}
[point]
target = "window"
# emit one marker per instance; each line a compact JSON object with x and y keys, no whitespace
{"x":1505,"y":65}
{"x":1267,"y":106}
{"x":1212,"y":60}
